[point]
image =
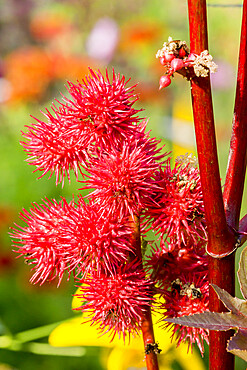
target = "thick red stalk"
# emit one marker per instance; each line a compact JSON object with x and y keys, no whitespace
{"x":146,"y":325}
{"x":234,"y":184}
{"x":220,"y":241}
{"x":218,"y":232}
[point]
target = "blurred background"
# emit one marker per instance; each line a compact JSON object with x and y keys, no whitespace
{"x":42,"y":45}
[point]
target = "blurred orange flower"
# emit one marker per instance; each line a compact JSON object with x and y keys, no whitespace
{"x":70,"y":66}
{"x":139,"y":33}
{"x":47,"y":25}
{"x":28,"y":71}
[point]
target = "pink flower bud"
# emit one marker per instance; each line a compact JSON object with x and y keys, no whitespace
{"x":177,"y":64}
{"x":164,"y":81}
{"x":182,"y":53}
{"x":168,"y":57}
{"x":163,"y":61}
{"x":191,"y":58}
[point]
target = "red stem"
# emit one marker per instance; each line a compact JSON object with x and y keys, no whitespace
{"x":218,"y":232}
{"x":220,"y":241}
{"x":148,"y":338}
{"x":146,"y":325}
{"x":234,"y":184}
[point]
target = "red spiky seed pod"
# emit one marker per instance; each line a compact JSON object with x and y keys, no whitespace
{"x":177,"y":211}
{"x":97,"y":114}
{"x":43,"y":244}
{"x":116,"y":302}
{"x":123,"y":179}
{"x":187,"y":294}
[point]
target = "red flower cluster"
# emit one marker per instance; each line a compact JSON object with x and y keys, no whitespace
{"x":96,"y":131}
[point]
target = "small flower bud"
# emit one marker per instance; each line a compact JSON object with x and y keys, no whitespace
{"x":191,"y":58}
{"x":163,"y":61}
{"x":177,"y":64}
{"x":164,"y":81}
{"x":182,"y":53}
{"x":168,"y":57}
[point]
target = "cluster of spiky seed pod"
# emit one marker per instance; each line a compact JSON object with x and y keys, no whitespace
{"x":96,"y":133}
